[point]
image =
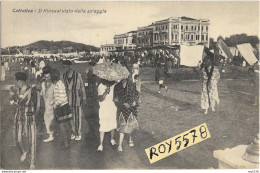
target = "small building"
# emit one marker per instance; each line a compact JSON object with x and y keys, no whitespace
{"x":125,"y":41}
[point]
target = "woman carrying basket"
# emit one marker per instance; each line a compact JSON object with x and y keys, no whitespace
{"x":126,"y":98}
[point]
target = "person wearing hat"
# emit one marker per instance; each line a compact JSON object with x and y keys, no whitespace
{"x":75,"y":89}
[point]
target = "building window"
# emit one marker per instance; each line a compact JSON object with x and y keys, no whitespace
{"x":188,"y":36}
{"x":176,"y":37}
{"x":207,"y":37}
{"x":181,"y":27}
{"x":192,"y":37}
{"x":186,"y":27}
{"x":182,"y":36}
{"x":202,"y":28}
{"x":172,"y":36}
{"x":195,"y":28}
{"x":166,"y":26}
{"x":192,"y":28}
{"x":202,"y":37}
{"x":206,"y":28}
{"x":197,"y":37}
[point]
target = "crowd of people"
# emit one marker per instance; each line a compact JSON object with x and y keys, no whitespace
{"x":64,"y":97}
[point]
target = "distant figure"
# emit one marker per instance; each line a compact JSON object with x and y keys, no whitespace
{"x":138,"y":84}
{"x":42,"y":64}
{"x":244,"y":63}
{"x":135,"y":70}
{"x":33,"y":66}
{"x":2,"y":72}
{"x":160,"y":75}
{"x":101,"y":60}
{"x":168,"y":67}
{"x":6,"y":64}
{"x":254,"y":83}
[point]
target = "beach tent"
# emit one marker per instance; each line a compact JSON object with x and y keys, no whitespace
{"x":191,"y":55}
{"x":224,"y":49}
{"x":234,"y":51}
{"x":246,"y":51}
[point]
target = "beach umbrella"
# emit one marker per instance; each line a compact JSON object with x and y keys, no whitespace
{"x":110,"y":71}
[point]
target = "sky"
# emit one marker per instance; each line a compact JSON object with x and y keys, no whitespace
{"x":17,"y":29}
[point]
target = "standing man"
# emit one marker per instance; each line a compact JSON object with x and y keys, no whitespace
{"x":75,"y":89}
{"x":25,"y":99}
{"x":33,"y":66}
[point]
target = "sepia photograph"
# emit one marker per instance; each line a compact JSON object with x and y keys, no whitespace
{"x":129,"y":85}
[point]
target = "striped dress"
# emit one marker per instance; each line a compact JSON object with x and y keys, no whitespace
{"x":60,"y":96}
{"x":25,"y":127}
{"x":63,"y":111}
{"x":75,"y":89}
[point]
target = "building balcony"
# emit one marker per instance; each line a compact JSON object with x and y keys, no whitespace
{"x":164,"y":31}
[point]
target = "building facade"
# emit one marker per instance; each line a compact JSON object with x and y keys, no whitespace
{"x":107,"y":48}
{"x":145,"y":36}
{"x":171,"y":31}
{"x":125,"y":41}
{"x":176,"y":31}
{"x":45,"y":51}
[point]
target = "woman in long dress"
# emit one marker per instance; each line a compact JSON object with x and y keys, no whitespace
{"x":126,"y":98}
{"x":47,"y":93}
{"x":107,"y":111}
{"x":210,"y":77}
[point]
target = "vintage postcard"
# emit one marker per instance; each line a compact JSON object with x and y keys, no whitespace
{"x":129,"y":85}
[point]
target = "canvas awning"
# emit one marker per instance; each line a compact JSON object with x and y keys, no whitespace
{"x":191,"y":55}
{"x":246,"y":51}
{"x":224,"y":49}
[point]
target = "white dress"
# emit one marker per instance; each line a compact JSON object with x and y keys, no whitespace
{"x":107,"y":110}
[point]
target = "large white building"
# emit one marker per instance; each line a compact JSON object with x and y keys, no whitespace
{"x":171,"y":31}
{"x":175,"y":31}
